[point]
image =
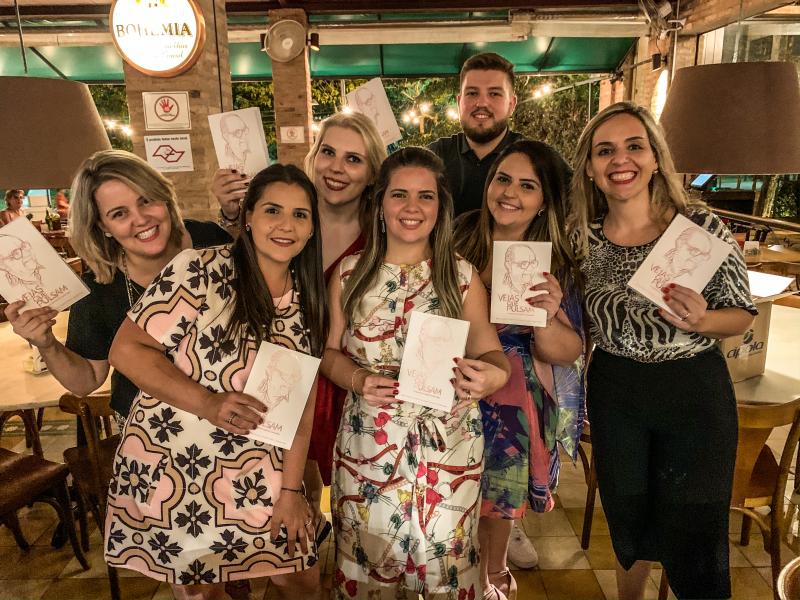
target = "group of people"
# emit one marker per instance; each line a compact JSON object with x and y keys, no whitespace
{"x":423,"y":500}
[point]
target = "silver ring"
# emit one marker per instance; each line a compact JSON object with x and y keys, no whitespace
{"x":686,"y":316}
{"x":469,"y":396}
{"x":231,"y":418}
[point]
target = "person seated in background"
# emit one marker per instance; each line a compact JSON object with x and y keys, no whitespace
{"x":13,"y":206}
{"x":62,"y":205}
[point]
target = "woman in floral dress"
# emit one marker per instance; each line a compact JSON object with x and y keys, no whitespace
{"x":543,"y":401}
{"x":406,"y":483}
{"x":193,"y":500}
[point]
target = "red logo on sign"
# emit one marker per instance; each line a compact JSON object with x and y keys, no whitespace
{"x":166,"y":108}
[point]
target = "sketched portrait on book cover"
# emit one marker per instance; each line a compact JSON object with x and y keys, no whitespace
{"x":18,"y":264}
{"x":433,"y":350}
{"x":283,"y":373}
{"x":234,"y":131}
{"x":519,"y":273}
{"x":692,"y":248}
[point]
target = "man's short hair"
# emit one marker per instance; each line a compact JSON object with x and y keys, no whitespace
{"x":488,"y":61}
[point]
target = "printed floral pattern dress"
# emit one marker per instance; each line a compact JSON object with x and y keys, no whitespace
{"x":189,"y":502}
{"x":540,"y":406}
{"x":406,"y":481}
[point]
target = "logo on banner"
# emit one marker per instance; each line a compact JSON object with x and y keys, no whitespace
{"x":156,"y":37}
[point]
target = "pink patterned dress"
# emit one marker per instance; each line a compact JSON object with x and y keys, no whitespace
{"x":406,"y":479}
{"x":189,"y":502}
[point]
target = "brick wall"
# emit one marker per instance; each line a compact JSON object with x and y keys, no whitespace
{"x":209,"y":85}
{"x":705,"y":15}
{"x":292,"y":82}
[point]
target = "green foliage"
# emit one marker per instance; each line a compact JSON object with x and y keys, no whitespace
{"x":112,"y":103}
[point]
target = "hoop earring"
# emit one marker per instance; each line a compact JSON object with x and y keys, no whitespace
{"x":540,"y":213}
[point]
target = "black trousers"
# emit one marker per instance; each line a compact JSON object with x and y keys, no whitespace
{"x":664,"y":436}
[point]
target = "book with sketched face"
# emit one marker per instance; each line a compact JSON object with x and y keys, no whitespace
{"x":431,"y":345}
{"x":31,"y":270}
{"x":239,"y":140}
{"x":685,"y":254}
{"x":282,"y":379}
{"x":516,"y":266}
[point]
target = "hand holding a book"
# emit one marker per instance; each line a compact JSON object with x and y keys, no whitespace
{"x":476,"y":379}
{"x":550,"y":300}
{"x":688,"y":306}
{"x":233,"y":411}
{"x":379,"y":390}
{"x":34,"y":325}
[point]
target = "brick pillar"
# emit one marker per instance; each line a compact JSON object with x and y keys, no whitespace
{"x":209,"y":85}
{"x":292,"y":81}
{"x":611,"y":92}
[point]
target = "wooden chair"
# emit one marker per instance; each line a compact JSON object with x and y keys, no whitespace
{"x":759,"y":480}
{"x":91,"y":465}
{"x":590,"y":475}
{"x":25,"y":479}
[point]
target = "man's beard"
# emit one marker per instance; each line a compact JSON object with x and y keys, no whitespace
{"x":482,"y":136}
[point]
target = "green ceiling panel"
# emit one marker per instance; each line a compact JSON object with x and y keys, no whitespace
{"x":346,"y":61}
{"x":586,"y":54}
{"x":248,"y":61}
{"x":81,"y":63}
{"x":535,"y":55}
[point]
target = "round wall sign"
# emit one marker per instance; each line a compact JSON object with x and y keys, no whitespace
{"x":162,"y":38}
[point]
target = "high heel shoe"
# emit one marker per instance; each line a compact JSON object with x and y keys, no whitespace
{"x":492,"y":593}
{"x":504,"y":581}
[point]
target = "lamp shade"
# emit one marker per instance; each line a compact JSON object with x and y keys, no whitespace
{"x":734,"y":118}
{"x":49,"y":127}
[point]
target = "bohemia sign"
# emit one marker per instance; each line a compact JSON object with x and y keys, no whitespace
{"x":162,"y":38}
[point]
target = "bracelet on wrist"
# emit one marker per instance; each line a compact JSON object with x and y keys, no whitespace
{"x":294,"y":490}
{"x":353,"y":377}
{"x":225,"y":220}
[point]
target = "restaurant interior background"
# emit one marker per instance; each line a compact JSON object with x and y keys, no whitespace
{"x":573,"y":58}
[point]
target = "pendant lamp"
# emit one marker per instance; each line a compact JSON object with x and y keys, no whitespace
{"x":734,"y":119}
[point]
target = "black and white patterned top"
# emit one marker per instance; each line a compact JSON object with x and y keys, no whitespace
{"x":625,"y":323}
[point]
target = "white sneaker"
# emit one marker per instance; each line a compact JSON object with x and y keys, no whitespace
{"x":520,"y":549}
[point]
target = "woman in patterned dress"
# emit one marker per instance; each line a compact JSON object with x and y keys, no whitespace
{"x":193,"y":500}
{"x":660,"y":399}
{"x":542,"y":403}
{"x":343,"y":163}
{"x":406,"y":483}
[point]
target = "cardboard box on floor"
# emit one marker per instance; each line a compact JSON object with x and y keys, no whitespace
{"x":746,"y":354}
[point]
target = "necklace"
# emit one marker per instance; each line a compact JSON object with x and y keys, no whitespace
{"x":289,"y":275}
{"x":131,"y":291}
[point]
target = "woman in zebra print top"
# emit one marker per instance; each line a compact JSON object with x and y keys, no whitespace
{"x":659,"y":394}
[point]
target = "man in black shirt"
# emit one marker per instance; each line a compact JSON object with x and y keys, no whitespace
{"x":485,"y":104}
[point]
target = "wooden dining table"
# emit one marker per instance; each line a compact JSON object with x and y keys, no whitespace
{"x":23,"y":392}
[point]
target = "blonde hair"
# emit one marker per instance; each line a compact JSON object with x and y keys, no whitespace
{"x":376,"y":151}
{"x":101,"y":253}
{"x":588,"y":203}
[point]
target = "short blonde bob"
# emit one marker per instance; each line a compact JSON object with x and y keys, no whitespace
{"x":103,"y":254}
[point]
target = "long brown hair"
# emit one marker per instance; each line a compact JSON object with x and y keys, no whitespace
{"x":252,"y":302}
{"x":474,"y":241}
{"x":444,"y":265}
{"x":589,"y":203}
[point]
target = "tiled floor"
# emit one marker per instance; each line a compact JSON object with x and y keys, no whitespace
{"x":565,"y":571}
